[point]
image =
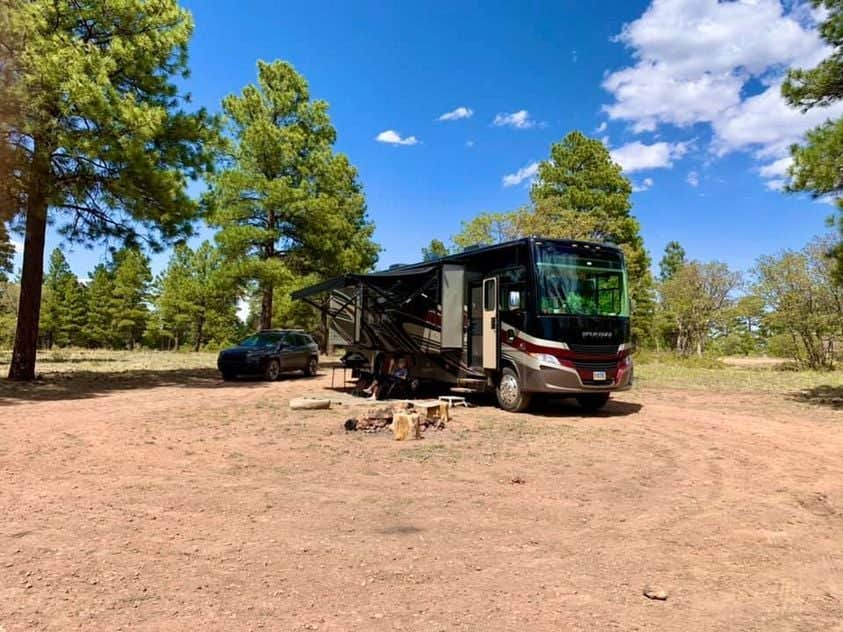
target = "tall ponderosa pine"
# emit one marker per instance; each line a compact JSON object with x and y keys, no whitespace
{"x":286,"y":203}
{"x":130,"y":292}
{"x":93,"y":136}
{"x":197,"y":296}
{"x":818,"y":164}
{"x":580,"y":193}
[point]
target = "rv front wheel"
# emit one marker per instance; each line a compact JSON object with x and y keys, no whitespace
{"x":510,"y":395}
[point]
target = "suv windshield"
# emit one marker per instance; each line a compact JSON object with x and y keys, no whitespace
{"x":578,"y":284}
{"x":262,"y":341}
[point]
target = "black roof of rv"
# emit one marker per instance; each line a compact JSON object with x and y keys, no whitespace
{"x":425,"y":267}
{"x":473,"y":251}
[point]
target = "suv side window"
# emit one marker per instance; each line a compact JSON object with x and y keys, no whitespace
{"x":306,"y":340}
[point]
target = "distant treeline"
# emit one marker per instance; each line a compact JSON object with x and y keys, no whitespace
{"x":192,"y":304}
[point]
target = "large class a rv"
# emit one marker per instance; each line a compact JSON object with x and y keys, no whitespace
{"x":523,"y":318}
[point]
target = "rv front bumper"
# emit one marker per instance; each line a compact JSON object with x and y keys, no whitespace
{"x":567,"y":380}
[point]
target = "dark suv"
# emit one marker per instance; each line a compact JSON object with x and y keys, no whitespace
{"x":270,"y":353}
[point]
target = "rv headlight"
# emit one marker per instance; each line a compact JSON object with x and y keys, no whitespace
{"x":546,"y":359}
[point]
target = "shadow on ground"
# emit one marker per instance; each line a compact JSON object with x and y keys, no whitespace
{"x":830,"y":396}
{"x":567,"y":407}
{"x":86,"y":384}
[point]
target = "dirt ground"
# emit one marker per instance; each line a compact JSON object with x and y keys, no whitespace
{"x":181,"y":501}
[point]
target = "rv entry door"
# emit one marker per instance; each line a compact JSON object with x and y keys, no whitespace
{"x":491,"y":338}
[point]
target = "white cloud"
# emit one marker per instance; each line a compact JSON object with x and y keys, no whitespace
{"x":601,"y":128}
{"x":693,"y":178}
{"x":17,"y":245}
{"x":766,"y":124}
{"x":461,"y":112}
{"x":694,"y":60}
{"x":524,"y":173}
{"x":392,"y":137}
{"x":469,"y":143}
{"x":777,"y":169}
{"x":646,"y":184}
{"x":518,"y":120}
{"x":648,"y":94}
{"x":637,"y":156}
{"x":776,"y":184}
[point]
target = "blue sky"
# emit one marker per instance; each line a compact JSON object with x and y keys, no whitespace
{"x":684,"y":92}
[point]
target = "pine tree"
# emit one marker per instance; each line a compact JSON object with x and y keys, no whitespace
{"x":580,"y":193}
{"x":818,"y":163}
{"x":286,"y":204}
{"x":128,"y":304}
{"x":54,"y":311}
{"x":94,"y":135}
{"x":98,"y":328}
{"x":672,"y":260}
{"x":74,"y":313}
{"x":7,"y":253}
{"x":434,"y":250}
{"x":198,"y":297}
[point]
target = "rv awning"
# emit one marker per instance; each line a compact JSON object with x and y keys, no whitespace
{"x":326,"y":286}
{"x":354,"y":279}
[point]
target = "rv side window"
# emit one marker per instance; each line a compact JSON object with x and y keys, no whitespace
{"x":489,"y":295}
{"x":514,"y":300}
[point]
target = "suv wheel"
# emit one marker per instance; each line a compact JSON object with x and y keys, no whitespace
{"x":272,"y":370}
{"x":312,"y":367}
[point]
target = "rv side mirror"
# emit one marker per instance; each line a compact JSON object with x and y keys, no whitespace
{"x":514,"y":301}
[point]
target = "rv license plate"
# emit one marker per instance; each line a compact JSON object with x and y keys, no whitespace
{"x":599,"y":375}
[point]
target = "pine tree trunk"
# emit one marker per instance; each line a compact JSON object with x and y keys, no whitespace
{"x":22,"y":367}
{"x":266,"y":306}
{"x":200,"y":326}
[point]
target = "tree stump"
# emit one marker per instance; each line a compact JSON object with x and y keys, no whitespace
{"x":406,"y":426}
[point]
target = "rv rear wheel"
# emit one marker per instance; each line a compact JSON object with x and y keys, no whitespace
{"x":509,"y":393}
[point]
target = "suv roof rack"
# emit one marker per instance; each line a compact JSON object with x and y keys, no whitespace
{"x":280,"y":329}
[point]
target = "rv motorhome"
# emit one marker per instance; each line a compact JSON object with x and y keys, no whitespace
{"x":523,"y":318}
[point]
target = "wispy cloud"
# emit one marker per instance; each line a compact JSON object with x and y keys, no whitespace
{"x":646,"y":185}
{"x":601,"y":128}
{"x":524,"y":173}
{"x":517,"y":120}
{"x":469,"y":143}
{"x":391,"y":137}
{"x":693,"y":178}
{"x":461,"y":112}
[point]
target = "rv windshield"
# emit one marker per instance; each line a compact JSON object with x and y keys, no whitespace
{"x":579,"y":284}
